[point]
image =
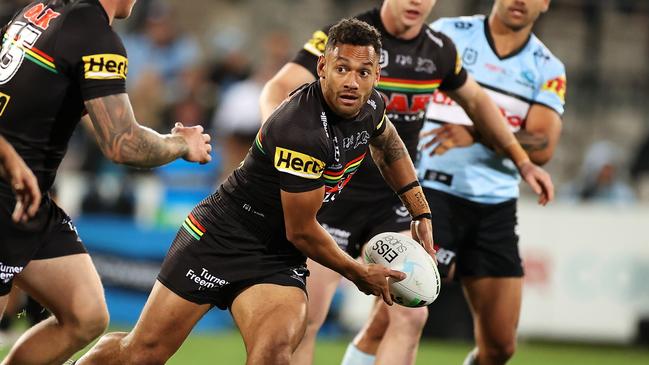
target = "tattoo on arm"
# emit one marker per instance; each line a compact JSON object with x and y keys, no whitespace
{"x":531,"y":141}
{"x":123,"y":140}
{"x":388,"y":147}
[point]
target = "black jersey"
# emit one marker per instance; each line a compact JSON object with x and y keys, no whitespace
{"x":53,"y":58}
{"x":411,"y":71}
{"x":303,"y":146}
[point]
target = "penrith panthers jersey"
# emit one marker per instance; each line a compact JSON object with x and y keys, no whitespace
{"x":55,"y":55}
{"x":530,"y":75}
{"x":411,"y":71}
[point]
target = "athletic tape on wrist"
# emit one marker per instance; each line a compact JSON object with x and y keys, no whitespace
{"x":412,"y":197}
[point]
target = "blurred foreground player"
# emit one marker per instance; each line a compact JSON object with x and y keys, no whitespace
{"x":415,"y":62}
{"x":243,"y":248}
{"x":472,"y":189}
{"x":57,"y":58}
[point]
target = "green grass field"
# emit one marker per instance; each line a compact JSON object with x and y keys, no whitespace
{"x":227,"y":348}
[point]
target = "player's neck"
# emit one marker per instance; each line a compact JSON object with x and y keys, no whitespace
{"x":110,"y":8}
{"x":505,"y":39}
{"x":395,"y":28}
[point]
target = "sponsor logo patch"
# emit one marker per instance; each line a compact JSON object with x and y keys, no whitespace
{"x":557,"y":86}
{"x":105,"y":66}
{"x":298,"y":164}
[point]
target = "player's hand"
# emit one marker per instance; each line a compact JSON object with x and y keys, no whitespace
{"x":538,"y":180}
{"x":197,"y":141}
{"x":422,"y":232}
{"x":446,"y":137}
{"x":371,"y":279}
{"x":25,"y":186}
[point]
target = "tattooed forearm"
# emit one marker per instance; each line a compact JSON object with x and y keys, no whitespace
{"x":124,"y":141}
{"x":388,"y":147}
{"x":531,"y":141}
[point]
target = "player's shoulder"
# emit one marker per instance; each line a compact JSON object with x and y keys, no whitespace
{"x":459,"y":25}
{"x":300,"y":112}
{"x":544,"y":58}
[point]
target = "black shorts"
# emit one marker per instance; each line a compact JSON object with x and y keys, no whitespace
{"x":483,"y":236}
{"x":352,"y":222}
{"x":48,"y":235}
{"x":216,"y":254}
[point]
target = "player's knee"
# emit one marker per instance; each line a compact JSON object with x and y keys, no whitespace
{"x":90,"y":321}
{"x":147,"y":352}
{"x":413,"y":318}
{"x":274,"y":351}
{"x":501,"y":352}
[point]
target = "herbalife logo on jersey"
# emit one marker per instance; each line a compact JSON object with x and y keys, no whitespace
{"x":105,"y":66}
{"x":7,"y":272}
{"x":298,"y":164}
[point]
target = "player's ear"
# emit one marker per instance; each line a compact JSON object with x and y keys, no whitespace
{"x":321,"y":66}
{"x":546,"y":6}
{"x":378,"y":75}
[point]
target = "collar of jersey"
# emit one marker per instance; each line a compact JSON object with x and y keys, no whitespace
{"x":492,"y":45}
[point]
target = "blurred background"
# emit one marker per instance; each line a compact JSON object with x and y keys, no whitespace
{"x":205,"y":61}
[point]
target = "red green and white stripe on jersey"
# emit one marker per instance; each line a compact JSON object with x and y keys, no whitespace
{"x":408,"y":86}
{"x":332,"y":177}
{"x":35,"y":55}
{"x":193,"y":227}
{"x":258,"y":143}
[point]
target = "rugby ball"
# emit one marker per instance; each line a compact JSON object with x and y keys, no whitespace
{"x":400,"y":252}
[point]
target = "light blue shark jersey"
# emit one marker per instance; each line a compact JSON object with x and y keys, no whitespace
{"x":530,"y":75}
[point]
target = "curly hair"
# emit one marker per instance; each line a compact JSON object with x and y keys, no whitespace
{"x":354,"y":32}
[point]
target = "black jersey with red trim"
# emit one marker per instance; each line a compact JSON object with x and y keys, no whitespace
{"x":54,"y":56}
{"x":411,"y":71}
{"x":300,"y":148}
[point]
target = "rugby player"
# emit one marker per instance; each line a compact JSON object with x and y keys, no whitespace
{"x":415,"y":61}
{"x":22,"y":181}
{"x":58,"y":58}
{"x":243,"y":248}
{"x":472,"y":189}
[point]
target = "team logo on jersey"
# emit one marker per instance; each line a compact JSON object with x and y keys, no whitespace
{"x":470,"y":56}
{"x":105,"y":66}
{"x":425,"y":65}
{"x":557,"y":86}
{"x":384,"y":61}
{"x":316,"y":45}
{"x":298,"y":164}
{"x":4,"y":100}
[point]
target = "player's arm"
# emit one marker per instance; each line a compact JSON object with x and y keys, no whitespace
{"x":490,"y":124}
{"x":22,"y":180}
{"x":541,"y":133}
{"x":304,"y":231}
{"x":287,"y":79}
{"x":124,"y":141}
{"x":392,"y":158}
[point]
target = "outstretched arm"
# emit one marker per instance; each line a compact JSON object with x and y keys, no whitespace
{"x":125,"y":141}
{"x":392,"y":158}
{"x":289,"y":78}
{"x":23,"y":182}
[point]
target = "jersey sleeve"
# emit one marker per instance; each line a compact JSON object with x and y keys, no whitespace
{"x":552,"y":92}
{"x":92,"y":54}
{"x":441,"y":24}
{"x":312,"y":49}
{"x":379,"y":116}
{"x":455,"y":75}
{"x":298,"y":153}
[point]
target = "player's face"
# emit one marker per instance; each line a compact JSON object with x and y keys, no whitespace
{"x":348,"y":75}
{"x":410,"y":13}
{"x":518,"y":14}
{"x":124,"y":8}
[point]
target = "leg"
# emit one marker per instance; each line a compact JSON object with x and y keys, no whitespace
{"x":165,"y":322}
{"x":495,"y":304}
{"x":73,"y":293}
{"x":272,"y":321}
{"x":362,"y":350}
{"x":321,"y":287}
{"x":401,"y":339}
{"x":3,"y":304}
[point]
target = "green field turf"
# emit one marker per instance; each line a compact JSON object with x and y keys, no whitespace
{"x":227,"y":349}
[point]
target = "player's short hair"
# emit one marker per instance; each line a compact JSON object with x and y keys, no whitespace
{"x":354,"y":32}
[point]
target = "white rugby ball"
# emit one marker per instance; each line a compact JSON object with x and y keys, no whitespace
{"x":399,"y":252}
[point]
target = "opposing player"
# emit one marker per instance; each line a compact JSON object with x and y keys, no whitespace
{"x":243,"y":248}
{"x":23,"y":183}
{"x":57,"y":58}
{"x":471,"y":188}
{"x":415,"y":61}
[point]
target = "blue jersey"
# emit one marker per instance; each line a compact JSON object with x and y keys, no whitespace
{"x":530,"y":75}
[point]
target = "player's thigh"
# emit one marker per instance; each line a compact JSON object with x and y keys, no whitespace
{"x":495,"y":304}
{"x":3,"y":304}
{"x":166,"y":321}
{"x":68,"y":286}
{"x":268,"y":314}
{"x":321,"y":286}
